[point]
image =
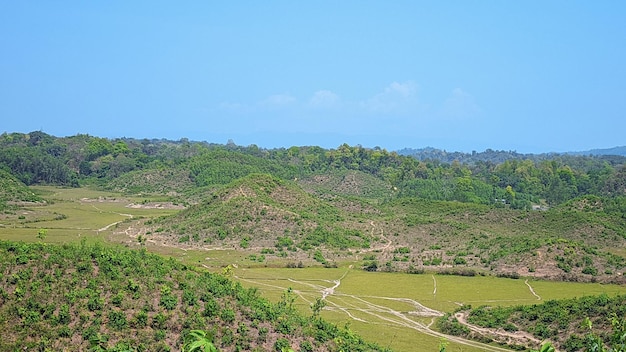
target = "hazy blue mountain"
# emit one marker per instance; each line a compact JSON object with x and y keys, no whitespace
{"x":621,"y":151}
{"x":498,"y":156}
{"x":489,"y":155}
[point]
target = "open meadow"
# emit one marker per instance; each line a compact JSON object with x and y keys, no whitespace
{"x":399,"y":310}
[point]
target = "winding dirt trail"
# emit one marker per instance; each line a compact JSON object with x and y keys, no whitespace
{"x":532,"y":290}
{"x":130,"y":216}
{"x":382,"y":235}
{"x":368,"y":309}
{"x":330,"y":290}
{"x":362,"y":308}
{"x":519,"y":337}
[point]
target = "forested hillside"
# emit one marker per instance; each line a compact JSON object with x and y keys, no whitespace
{"x":13,"y":191}
{"x":498,"y":156}
{"x":130,"y":165}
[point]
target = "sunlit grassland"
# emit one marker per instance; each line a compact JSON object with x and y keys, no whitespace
{"x":453,"y":291}
{"x":73,"y":214}
{"x":364,"y":301}
{"x":368,"y":301}
{"x":68,"y":193}
{"x":53,"y":235}
{"x":397,"y":338}
{"x":549,"y":290}
{"x":215,"y":259}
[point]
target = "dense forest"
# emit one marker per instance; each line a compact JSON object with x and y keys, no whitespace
{"x":519,"y":183}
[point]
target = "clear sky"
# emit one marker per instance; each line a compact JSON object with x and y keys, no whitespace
{"x":531,"y":76}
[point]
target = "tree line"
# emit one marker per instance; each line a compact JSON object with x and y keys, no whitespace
{"x":37,"y":157}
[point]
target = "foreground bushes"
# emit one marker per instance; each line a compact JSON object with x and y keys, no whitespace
{"x":84,"y":297}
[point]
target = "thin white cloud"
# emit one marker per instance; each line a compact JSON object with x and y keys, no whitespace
{"x":324,"y":99}
{"x":278,"y":100}
{"x":404,"y":89}
{"x":395,"y":98}
{"x":460,"y":105}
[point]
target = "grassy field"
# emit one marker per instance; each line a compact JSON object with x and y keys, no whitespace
{"x":387,"y":307}
{"x":73,"y":214}
{"x":393,"y":309}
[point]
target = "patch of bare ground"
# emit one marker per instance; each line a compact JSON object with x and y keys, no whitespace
{"x":155,"y":205}
{"x":104,"y":200}
{"x":27,"y":204}
{"x":499,"y":335}
{"x":386,"y":243}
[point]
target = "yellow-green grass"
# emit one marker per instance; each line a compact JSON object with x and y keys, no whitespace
{"x":73,"y":214}
{"x":368,"y":301}
{"x":63,"y":193}
{"x":402,"y":339}
{"x":356,"y":296}
{"x":53,"y":235}
{"x":548,"y":290}
{"x":85,"y":208}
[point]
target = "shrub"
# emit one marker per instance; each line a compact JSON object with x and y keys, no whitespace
{"x":281,"y":344}
{"x":589,"y":270}
{"x":117,"y":320}
{"x":371,"y":266}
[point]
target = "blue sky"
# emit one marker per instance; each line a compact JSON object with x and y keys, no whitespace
{"x":530,"y":76}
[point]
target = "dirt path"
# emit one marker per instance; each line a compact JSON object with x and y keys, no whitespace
{"x":382,"y":235}
{"x":532,"y":291}
{"x":389,"y":316}
{"x":330,"y":290}
{"x":517,"y":337}
{"x":130,"y":216}
{"x":363,"y":309}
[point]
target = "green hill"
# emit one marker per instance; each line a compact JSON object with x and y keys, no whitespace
{"x":348,"y":183}
{"x":576,"y":241}
{"x":221,"y":166}
{"x":560,"y":243}
{"x":262,"y":211}
{"x":162,"y":181}
{"x":556,"y":217}
{"x":79,"y":298}
{"x":13,"y":190}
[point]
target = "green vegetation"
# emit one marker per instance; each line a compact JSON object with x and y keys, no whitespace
{"x":79,"y":297}
{"x":571,"y":324}
{"x":363,"y":214}
{"x":255,"y":208}
{"x":161,"y":166}
{"x":13,"y":191}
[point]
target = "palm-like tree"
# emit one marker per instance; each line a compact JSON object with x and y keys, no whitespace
{"x":201,"y":341}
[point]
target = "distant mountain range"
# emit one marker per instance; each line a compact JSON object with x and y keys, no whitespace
{"x":498,"y":156}
{"x":621,"y":151}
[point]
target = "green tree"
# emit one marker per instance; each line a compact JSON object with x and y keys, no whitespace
{"x":200,"y":340}
{"x":317,"y":306}
{"x":546,"y":347}
{"x":42,"y":234}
